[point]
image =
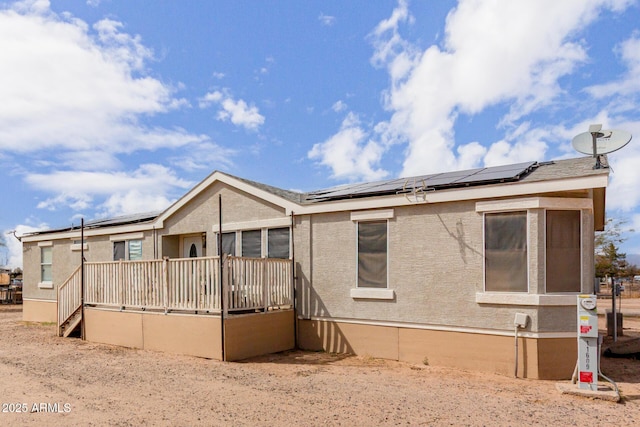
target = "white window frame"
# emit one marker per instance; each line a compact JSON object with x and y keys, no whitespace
{"x":45,"y":284}
{"x":76,"y":246}
{"x":484,"y":256}
{"x":386,"y":293}
{"x":528,"y":204}
{"x":126,"y":238}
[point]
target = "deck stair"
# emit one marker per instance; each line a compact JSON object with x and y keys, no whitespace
{"x":71,"y":324}
{"x":69,"y":304}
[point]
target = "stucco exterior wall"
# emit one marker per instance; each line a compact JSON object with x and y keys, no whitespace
{"x":179,"y":334}
{"x":435,"y":268}
{"x":66,"y":258}
{"x":201,"y":214}
{"x":537,"y":358}
{"x":257,"y":334}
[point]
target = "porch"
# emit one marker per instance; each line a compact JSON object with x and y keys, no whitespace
{"x":196,"y":306}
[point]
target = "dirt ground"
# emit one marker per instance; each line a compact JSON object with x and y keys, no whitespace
{"x":46,"y":380}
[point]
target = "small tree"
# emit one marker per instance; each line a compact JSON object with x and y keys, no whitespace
{"x":609,"y":260}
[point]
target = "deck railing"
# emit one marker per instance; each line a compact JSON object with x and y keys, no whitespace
{"x":189,"y":284}
{"x":69,"y":296}
{"x":166,"y":284}
{"x":257,"y":283}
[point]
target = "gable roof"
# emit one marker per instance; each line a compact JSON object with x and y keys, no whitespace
{"x":532,"y":177}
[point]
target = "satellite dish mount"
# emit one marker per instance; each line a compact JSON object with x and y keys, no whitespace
{"x":596,"y":142}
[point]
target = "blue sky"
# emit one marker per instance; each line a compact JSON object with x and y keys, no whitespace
{"x":112,"y":107}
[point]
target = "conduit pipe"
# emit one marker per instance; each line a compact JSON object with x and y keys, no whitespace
{"x":519,"y":322}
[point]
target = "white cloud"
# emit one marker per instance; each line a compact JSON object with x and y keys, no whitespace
{"x":339,"y":106}
{"x":67,"y":85}
{"x":14,"y":246}
{"x":349,"y":154}
{"x":148,"y":188}
{"x":237,"y":112}
{"x":629,"y":84}
{"x":203,"y":156}
{"x":327,"y":20}
{"x":489,"y":56}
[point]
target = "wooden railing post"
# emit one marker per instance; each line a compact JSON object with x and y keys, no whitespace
{"x":263,"y":279}
{"x":165,"y":283}
{"x":120,"y":284}
{"x":226,"y":274}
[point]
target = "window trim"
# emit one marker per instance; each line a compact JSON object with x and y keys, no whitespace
{"x":534,"y":205}
{"x":386,"y":293}
{"x":45,"y":284}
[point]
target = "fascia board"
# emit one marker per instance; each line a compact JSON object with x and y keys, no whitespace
{"x":88,"y":232}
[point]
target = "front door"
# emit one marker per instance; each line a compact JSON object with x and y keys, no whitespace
{"x":192,"y":247}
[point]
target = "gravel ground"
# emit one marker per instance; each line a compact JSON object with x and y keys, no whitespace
{"x":46,"y":380}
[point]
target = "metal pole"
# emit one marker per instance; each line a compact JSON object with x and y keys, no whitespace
{"x":220,"y":275}
{"x":82,"y":327}
{"x":613,"y":309}
{"x":594,"y":137}
{"x":293,"y":282}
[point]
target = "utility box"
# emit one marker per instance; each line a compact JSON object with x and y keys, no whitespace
{"x":610,"y":323}
{"x":587,"y":342}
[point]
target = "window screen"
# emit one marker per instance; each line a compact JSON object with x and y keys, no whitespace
{"x":119,"y":250}
{"x":506,"y":252}
{"x":229,"y":243}
{"x":563,"y":251}
{"x":46,"y":261}
{"x":278,"y":243}
{"x":251,"y":244}
{"x":372,"y":254}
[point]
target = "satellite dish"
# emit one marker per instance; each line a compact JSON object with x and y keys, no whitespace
{"x":598,"y":141}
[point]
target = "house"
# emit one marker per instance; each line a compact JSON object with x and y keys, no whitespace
{"x":432,"y":269}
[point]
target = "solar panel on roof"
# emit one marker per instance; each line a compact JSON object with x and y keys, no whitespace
{"x":441,"y":180}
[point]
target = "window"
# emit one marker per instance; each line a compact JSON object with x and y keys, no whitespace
{"x":229,"y":243}
{"x":563,"y":266}
{"x":130,"y":250}
{"x":46,"y":261}
{"x":372,"y":254}
{"x":251,"y":246}
{"x":119,"y":250}
{"x":135,"y":250}
{"x":505,"y":250}
{"x":278,"y":243}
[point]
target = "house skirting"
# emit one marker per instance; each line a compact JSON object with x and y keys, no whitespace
{"x":39,"y":310}
{"x":190,"y":334}
{"x":538,"y":358}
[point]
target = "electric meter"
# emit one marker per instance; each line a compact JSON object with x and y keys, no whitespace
{"x":588,"y":303}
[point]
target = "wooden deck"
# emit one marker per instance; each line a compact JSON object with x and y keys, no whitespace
{"x":184,"y":285}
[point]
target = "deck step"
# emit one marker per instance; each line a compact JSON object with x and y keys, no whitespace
{"x":71,"y":323}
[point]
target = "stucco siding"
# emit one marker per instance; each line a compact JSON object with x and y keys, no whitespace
{"x":201,"y":213}
{"x":435,"y":265}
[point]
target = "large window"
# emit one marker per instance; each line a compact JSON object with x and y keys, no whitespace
{"x":46,"y":262}
{"x":563,"y":266}
{"x":372,"y":254}
{"x":278,"y":243}
{"x":505,"y":251}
